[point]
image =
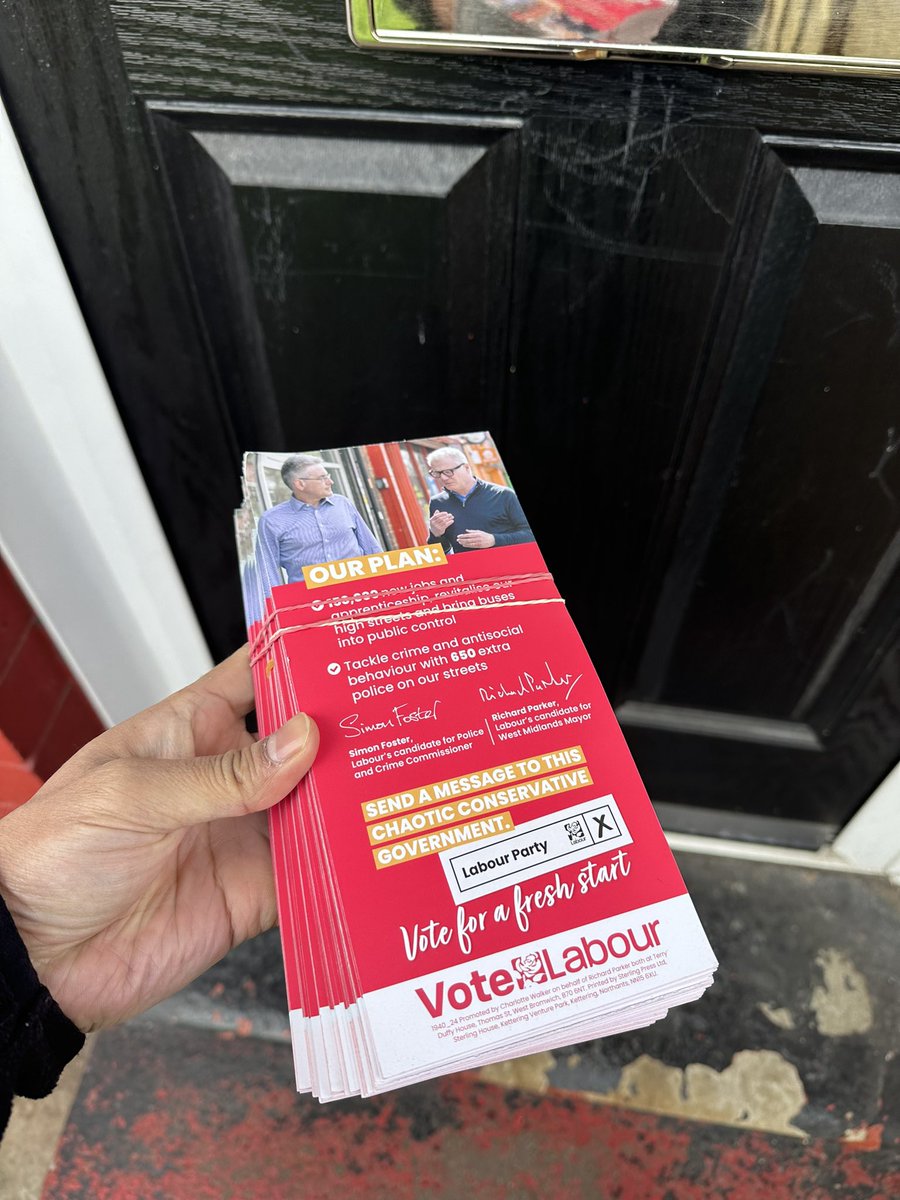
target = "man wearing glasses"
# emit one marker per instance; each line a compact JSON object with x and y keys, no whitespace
{"x":313,"y":526}
{"x":470,"y":513}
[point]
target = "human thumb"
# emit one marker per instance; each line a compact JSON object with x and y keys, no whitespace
{"x":175,"y":793}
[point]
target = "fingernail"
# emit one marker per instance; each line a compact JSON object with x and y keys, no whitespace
{"x":289,"y":740}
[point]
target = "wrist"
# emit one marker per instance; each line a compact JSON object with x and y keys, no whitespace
{"x":36,"y":1038}
{"x":14,"y":900}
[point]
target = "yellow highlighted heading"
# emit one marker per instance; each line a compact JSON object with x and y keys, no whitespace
{"x":477,"y":781}
{"x":387,"y":562}
{"x":477,"y":806}
{"x":434,"y":843}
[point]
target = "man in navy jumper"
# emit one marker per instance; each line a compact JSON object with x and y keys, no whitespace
{"x":471,"y":514}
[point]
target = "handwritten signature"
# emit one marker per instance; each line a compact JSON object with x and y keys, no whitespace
{"x":528,"y":683}
{"x":401,"y":714}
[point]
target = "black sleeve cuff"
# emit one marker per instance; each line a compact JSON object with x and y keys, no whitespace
{"x":36,"y":1038}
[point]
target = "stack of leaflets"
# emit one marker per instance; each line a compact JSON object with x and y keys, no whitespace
{"x":472,"y":870}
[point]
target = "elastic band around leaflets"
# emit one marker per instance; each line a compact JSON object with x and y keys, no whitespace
{"x":259,"y":651}
{"x":262,"y":643}
{"x":500,"y":580}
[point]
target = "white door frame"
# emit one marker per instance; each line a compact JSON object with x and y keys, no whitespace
{"x":871,"y":839}
{"x":77,"y":526}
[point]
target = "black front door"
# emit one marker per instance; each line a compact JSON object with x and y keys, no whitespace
{"x":671,"y":294}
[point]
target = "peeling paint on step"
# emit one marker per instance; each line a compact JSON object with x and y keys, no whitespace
{"x":528,"y":1073}
{"x":841,"y":1005}
{"x":759,"y":1089}
{"x":781,"y":1018}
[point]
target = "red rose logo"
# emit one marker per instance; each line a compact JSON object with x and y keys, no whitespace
{"x":530,"y":968}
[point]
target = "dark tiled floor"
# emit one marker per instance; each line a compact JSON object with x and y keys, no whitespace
{"x":167,"y":1113}
{"x":784,"y":1081}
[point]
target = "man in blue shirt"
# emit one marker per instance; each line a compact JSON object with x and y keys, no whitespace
{"x":314,"y":526}
{"x":471,"y":514}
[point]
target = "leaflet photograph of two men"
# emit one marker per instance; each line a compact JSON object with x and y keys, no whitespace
{"x":328,"y":505}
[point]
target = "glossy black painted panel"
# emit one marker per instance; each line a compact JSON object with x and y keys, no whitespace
{"x":378,"y":257}
{"x":812,"y":505}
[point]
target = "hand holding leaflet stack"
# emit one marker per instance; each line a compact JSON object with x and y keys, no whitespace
{"x":472,"y":870}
